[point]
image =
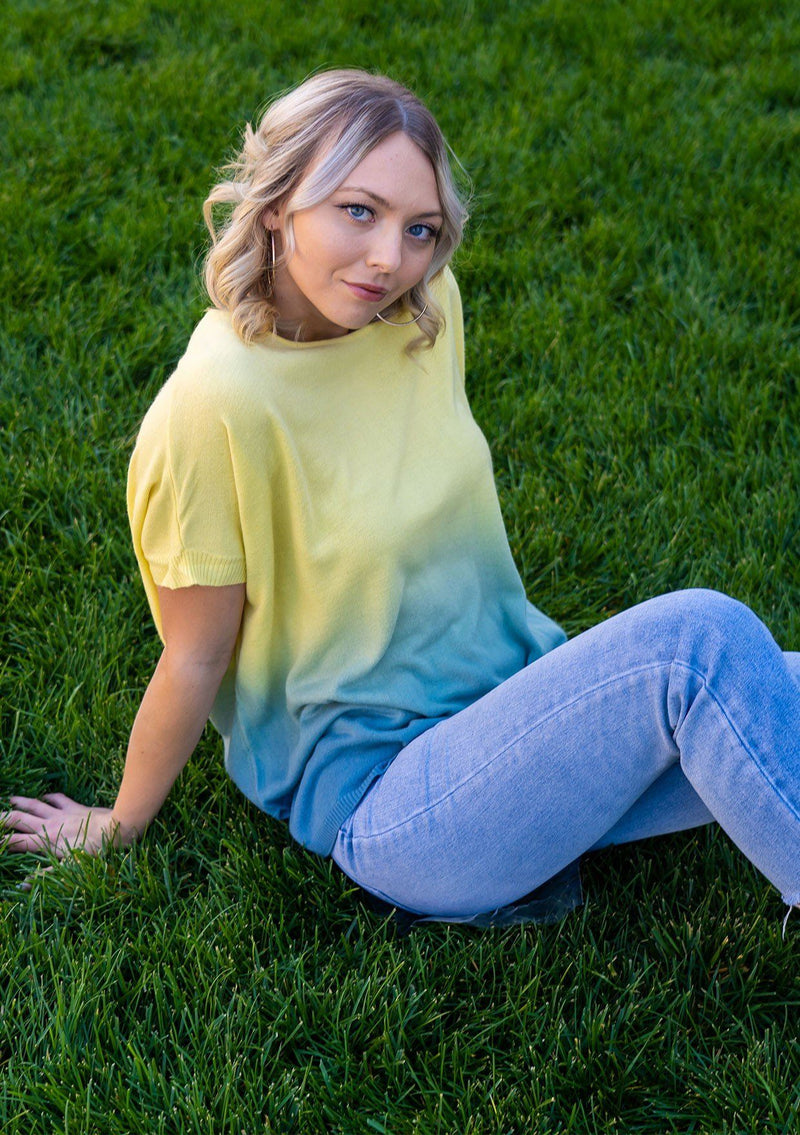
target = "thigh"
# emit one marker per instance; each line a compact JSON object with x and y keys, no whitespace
{"x":487,"y":805}
{"x":492,"y":802}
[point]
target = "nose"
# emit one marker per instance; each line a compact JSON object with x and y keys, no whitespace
{"x":385,"y":252}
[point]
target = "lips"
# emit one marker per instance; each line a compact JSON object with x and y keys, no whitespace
{"x":368,"y":292}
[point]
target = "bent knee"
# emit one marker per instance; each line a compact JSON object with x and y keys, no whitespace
{"x":705,"y":602}
{"x":709,"y":613}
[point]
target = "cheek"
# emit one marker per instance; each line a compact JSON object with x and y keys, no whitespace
{"x":419,"y":263}
{"x":321,"y":246}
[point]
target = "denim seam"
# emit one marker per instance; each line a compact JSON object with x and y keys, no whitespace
{"x":745,"y":746}
{"x":515,"y":741}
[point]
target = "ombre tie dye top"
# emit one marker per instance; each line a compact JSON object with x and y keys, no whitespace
{"x":348,"y":486}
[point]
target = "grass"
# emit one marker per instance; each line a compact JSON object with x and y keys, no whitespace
{"x":631,"y":289}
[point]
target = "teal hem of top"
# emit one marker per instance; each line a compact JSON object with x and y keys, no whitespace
{"x":324,"y":839}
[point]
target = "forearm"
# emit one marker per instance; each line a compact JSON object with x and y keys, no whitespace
{"x":169,"y":723}
{"x":200,"y":625}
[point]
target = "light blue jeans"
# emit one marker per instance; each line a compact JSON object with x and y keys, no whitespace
{"x":677,"y":712}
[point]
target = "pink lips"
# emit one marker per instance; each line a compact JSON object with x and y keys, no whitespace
{"x":367,"y":292}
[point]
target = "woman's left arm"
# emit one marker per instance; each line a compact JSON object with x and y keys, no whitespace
{"x":200,"y":626}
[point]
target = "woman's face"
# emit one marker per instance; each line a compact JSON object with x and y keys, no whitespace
{"x":362,"y":248}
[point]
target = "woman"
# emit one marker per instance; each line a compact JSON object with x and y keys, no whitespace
{"x":314,"y":516}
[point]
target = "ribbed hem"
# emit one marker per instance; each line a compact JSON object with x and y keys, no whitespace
{"x":198,"y":569}
{"x":324,"y":838}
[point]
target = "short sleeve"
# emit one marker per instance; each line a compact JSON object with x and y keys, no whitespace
{"x":182,"y":498}
{"x":455,"y":316}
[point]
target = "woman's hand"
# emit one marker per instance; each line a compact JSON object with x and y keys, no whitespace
{"x":200,"y":626}
{"x":56,"y":824}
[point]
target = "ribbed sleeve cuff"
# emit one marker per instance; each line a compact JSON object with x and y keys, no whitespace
{"x":198,"y":569}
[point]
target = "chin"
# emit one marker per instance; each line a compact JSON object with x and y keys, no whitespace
{"x":353,"y":322}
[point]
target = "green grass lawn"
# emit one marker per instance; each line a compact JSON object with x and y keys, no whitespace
{"x":630,"y":282}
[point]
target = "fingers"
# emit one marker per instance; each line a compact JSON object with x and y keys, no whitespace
{"x":43,"y":806}
{"x":30,"y":815}
{"x":27,"y":841}
{"x":59,"y":800}
{"x":34,"y":842}
{"x":22,"y":843}
{"x":53,"y":824}
{"x":30,"y":806}
{"x":21,"y":822}
{"x":30,"y":831}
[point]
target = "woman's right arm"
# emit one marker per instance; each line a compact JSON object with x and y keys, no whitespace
{"x":200,"y":627}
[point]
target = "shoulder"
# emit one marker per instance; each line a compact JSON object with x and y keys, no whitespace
{"x":445,"y":292}
{"x":214,"y":403}
{"x":217,"y":365}
{"x":449,"y":282}
{"x":444,"y":288}
{"x":219,"y":378}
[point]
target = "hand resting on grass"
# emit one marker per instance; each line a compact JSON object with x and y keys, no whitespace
{"x":58,"y":824}
{"x":200,"y":627}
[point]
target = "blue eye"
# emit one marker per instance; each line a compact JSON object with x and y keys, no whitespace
{"x":357,"y":212}
{"x":423,"y":232}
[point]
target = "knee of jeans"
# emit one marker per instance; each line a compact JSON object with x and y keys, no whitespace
{"x":706,"y":612}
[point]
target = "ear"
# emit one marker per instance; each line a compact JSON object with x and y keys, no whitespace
{"x":271,"y":219}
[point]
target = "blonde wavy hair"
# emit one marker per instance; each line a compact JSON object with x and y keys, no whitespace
{"x":301,"y":151}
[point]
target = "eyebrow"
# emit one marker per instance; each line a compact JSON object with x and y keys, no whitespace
{"x":382,"y":200}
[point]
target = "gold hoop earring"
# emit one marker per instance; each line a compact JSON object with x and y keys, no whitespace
{"x":403,"y":322}
{"x":273,"y":258}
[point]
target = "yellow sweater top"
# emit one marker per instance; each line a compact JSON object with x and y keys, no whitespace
{"x":348,"y":486}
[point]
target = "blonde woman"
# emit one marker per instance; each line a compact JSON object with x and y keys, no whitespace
{"x":315,"y":520}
